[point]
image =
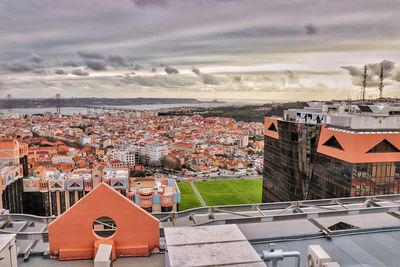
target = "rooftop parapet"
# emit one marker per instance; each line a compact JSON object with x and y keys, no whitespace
{"x":346,"y":115}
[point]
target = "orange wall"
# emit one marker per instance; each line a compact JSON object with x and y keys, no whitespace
{"x":72,"y":236}
{"x":267,"y":123}
{"x":356,"y":145}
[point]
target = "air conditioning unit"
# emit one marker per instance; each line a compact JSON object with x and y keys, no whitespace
{"x":317,"y":256}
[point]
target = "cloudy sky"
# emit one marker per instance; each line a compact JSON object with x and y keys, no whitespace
{"x":242,"y":49}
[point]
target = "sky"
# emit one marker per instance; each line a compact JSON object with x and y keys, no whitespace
{"x":216,"y":49}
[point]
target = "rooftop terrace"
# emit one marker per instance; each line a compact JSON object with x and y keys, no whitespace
{"x":353,"y":231}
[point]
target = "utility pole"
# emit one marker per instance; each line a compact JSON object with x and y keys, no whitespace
{"x":364,"y":83}
{"x":381,"y":83}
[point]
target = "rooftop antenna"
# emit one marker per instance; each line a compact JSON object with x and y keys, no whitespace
{"x":9,"y":103}
{"x":349,"y":102}
{"x":58,"y":104}
{"x":381,"y":82}
{"x":364,"y":83}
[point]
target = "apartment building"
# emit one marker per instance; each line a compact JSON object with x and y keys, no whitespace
{"x":13,"y":167}
{"x":52,"y":192}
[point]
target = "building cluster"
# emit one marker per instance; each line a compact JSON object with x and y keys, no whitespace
{"x":330,"y":150}
{"x":192,"y":143}
{"x":49,"y":162}
{"x":48,"y":179}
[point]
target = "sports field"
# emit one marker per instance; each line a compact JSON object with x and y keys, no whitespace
{"x":189,"y":199}
{"x":230,"y":192}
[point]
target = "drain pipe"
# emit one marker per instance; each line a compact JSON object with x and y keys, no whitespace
{"x":274,"y":256}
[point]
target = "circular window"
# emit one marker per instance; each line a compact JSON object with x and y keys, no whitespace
{"x":104,"y":227}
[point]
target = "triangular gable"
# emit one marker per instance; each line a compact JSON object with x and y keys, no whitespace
{"x":333,"y":143}
{"x":384,"y":147}
{"x":272,"y":127}
{"x":75,"y":184}
{"x":56,"y":185}
{"x":118,"y":183}
{"x":71,"y":235}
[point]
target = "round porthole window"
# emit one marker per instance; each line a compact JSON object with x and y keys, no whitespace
{"x":104,"y":227}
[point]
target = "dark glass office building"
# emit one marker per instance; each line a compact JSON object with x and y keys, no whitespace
{"x":315,"y":160}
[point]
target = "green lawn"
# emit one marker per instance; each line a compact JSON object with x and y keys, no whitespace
{"x":189,"y":199}
{"x":230,"y":192}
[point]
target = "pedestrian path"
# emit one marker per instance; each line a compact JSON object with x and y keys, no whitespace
{"x":203,"y":203}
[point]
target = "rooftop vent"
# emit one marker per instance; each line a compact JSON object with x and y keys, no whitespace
{"x":342,"y":226}
{"x":364,"y":108}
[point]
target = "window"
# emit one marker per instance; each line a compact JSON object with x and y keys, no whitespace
{"x":104,"y":227}
{"x":272,"y":127}
{"x":384,"y":147}
{"x":333,"y":143}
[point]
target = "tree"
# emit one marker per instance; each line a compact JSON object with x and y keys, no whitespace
{"x":168,"y":162}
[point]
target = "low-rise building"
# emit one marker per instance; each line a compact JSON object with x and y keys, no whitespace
{"x":52,"y":192}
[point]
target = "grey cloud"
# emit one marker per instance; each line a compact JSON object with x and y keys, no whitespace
{"x":292,"y":76}
{"x":90,"y":55}
{"x":60,"y":72}
{"x":70,"y":63}
{"x":171,"y":70}
{"x":373,"y":72}
{"x":311,"y":29}
{"x":80,"y":72}
{"x":196,"y":70}
{"x":353,"y":71}
{"x":388,"y":67}
{"x":19,"y":66}
{"x":35,"y":58}
{"x":207,"y":78}
{"x":146,"y":3}
{"x":138,"y":67}
{"x":3,"y":86}
{"x":96,"y":64}
{"x":162,"y":81}
{"x":117,"y":61}
{"x":39,"y":71}
{"x":237,"y":79}
{"x":201,"y":27}
{"x":396,"y":76}
{"x":153,"y":70}
{"x":275,"y":82}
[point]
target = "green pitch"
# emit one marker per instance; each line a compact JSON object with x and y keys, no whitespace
{"x":189,"y":199}
{"x":230,"y":192}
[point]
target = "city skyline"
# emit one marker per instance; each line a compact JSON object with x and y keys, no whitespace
{"x":272,"y":50}
{"x":179,"y":133}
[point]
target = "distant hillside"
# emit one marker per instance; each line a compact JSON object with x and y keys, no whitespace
{"x":253,"y":113}
{"x":81,"y":102}
{"x":248,"y":113}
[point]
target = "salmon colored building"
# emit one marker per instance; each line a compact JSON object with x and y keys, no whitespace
{"x":335,"y":150}
{"x":103,"y":216}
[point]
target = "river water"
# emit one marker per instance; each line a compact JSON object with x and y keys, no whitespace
{"x":83,"y":110}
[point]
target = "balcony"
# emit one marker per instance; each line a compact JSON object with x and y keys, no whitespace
{"x":44,"y":186}
{"x":146,"y":201}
